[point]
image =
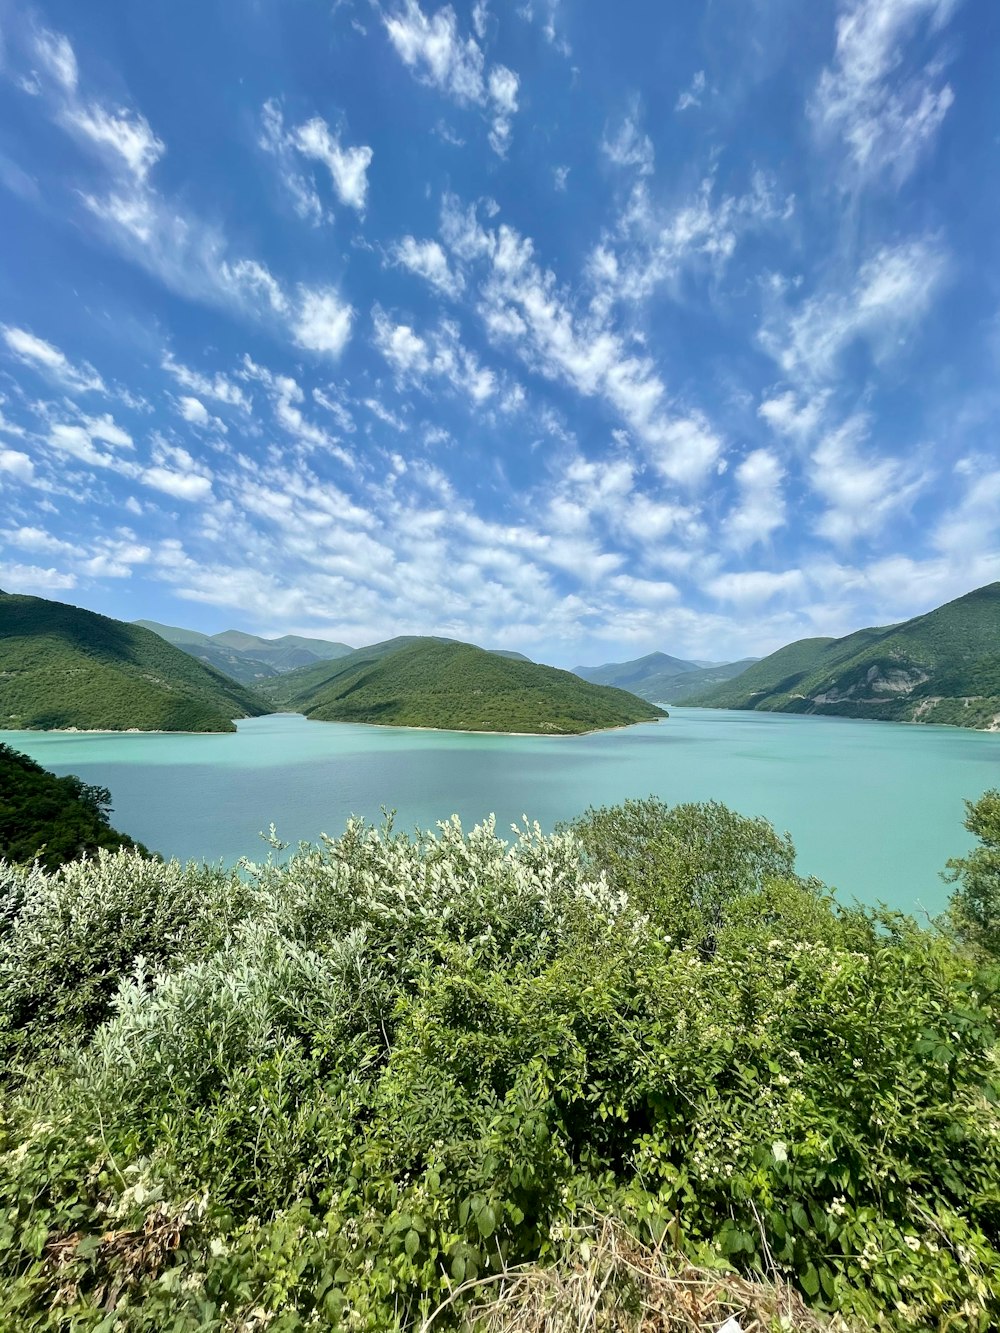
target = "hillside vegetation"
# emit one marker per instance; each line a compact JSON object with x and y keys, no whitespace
{"x":61,"y":666}
{"x":50,"y":819}
{"x":247,"y":657}
{"x":940,"y":667}
{"x":399,"y":1075}
{"x":661,"y":678}
{"x":439,"y":683}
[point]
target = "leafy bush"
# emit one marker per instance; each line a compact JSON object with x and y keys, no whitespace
{"x":348,"y":1084}
{"x":69,"y":937}
{"x":975,"y":904}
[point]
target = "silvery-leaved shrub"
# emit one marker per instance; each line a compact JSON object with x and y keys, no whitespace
{"x":415,"y":895}
{"x":68,"y":936}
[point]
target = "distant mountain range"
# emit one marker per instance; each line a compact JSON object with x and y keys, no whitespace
{"x":61,"y":666}
{"x":661,"y":678}
{"x":943,"y":666}
{"x":430,"y":682}
{"x":247,"y":657}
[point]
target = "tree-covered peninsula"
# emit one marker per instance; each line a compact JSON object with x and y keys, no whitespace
{"x":636,"y":1074}
{"x":428,"y":682}
{"x":62,"y":667}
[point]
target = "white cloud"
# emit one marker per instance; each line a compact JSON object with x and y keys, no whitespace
{"x":17,"y":465}
{"x":323,"y":323}
{"x":885,"y":115}
{"x":786,"y":417}
{"x":862,"y":491}
{"x":42,"y":355}
{"x":348,"y":167}
{"x":439,"y":56}
{"x":522,"y":305}
{"x":275,"y":140}
{"x":56,"y":54}
{"x":630,"y":148}
{"x":218,"y":386}
{"x":433,"y":49}
{"x":560,"y":178}
{"x":286,"y":395}
{"x":751,"y":588}
{"x":428,"y":261}
{"x":77,"y":441}
{"x":440,"y":355}
{"x":761,"y":507}
{"x":37,"y":541}
{"x":126,"y":134}
{"x":195,"y":411}
{"x":503,"y":90}
{"x":653,"y":245}
{"x":105,"y":428}
{"x":32,"y":578}
{"x":971,"y":528}
{"x":190,"y":486}
{"x":890,"y":293}
{"x":254,"y":285}
{"x":692,"y":96}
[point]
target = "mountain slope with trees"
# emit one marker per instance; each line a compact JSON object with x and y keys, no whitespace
{"x":50,"y":819}
{"x":662,"y":678}
{"x":456,"y":686}
{"x":943,"y":667}
{"x":248,"y":658}
{"x":61,"y":667}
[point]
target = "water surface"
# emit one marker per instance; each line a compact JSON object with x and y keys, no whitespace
{"x":875,"y":808}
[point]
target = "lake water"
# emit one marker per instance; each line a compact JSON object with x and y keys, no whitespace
{"x":874,"y":808}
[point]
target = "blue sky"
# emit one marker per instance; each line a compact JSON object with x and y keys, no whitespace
{"x":579,"y":329}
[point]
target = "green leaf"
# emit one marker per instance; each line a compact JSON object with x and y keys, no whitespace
{"x":809,"y":1279}
{"x":412,"y":1243}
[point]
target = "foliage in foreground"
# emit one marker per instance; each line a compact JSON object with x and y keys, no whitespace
{"x":332,"y":1092}
{"x":51,"y":819}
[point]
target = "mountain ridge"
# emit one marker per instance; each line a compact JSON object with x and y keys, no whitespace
{"x":65,"y":667}
{"x":248,"y":658}
{"x":942,"y":666}
{"x":660,"y":678}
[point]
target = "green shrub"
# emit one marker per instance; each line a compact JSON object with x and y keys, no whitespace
{"x":68,"y":937}
{"x":394,"y":1064}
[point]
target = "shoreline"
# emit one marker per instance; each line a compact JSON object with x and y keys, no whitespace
{"x":468,"y":731}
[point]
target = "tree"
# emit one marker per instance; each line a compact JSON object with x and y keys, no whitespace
{"x":974,"y":907}
{"x":686,"y":865}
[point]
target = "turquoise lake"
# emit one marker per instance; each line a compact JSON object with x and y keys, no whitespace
{"x":874,"y":808}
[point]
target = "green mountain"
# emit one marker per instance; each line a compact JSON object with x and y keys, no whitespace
{"x":61,"y":666}
{"x":661,"y":678}
{"x":940,"y":667}
{"x":50,"y":819}
{"x":247,"y":657}
{"x":427,"y":682}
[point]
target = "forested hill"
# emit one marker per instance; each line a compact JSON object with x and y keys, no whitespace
{"x":661,"y":678}
{"x":61,"y":666}
{"x":248,"y":658}
{"x":50,"y":819}
{"x":456,"y":686}
{"x":940,"y":667}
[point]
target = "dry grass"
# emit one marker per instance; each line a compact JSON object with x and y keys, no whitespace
{"x":610,"y":1282}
